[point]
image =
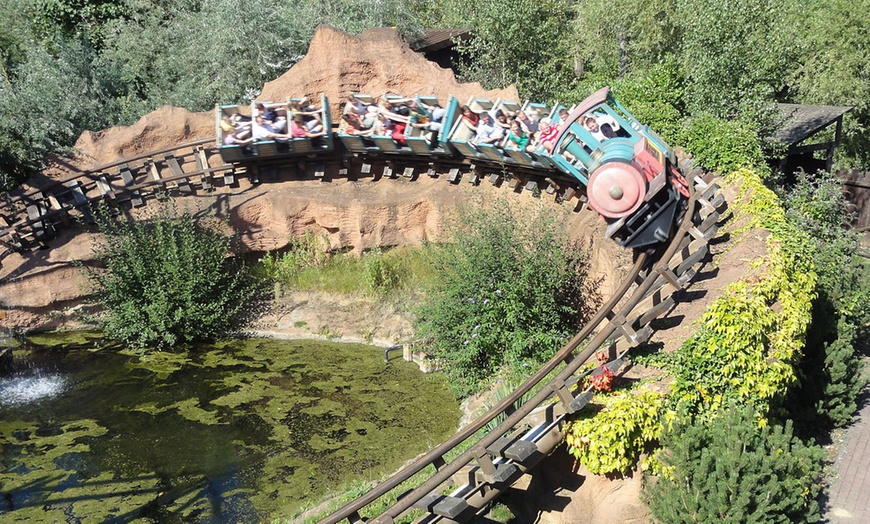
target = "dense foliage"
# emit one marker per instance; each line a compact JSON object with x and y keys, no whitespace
{"x":166,"y":280}
{"x":832,"y":368}
{"x":731,"y":470}
{"x":750,"y":340}
{"x":734,"y":59}
{"x":508,"y":292}
{"x":724,"y":145}
{"x":833,"y":69}
{"x":71,"y":65}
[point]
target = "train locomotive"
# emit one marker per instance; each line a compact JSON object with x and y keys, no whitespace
{"x":600,"y":152}
{"x":630,"y":173}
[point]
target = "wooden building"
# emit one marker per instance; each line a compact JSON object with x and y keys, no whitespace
{"x":799,"y":124}
{"x":439,"y":45}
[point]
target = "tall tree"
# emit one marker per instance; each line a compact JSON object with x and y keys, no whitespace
{"x":514,"y":42}
{"x":736,"y":55}
{"x":835,"y":69}
{"x":615,"y":37}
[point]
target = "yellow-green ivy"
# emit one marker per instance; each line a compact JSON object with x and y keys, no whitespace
{"x":750,"y":339}
{"x":613,"y":437}
{"x":745,"y":350}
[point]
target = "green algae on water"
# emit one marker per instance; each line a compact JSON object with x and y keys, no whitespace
{"x":240,"y":431}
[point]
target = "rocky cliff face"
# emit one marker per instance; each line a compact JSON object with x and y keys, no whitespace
{"x":376,"y":62}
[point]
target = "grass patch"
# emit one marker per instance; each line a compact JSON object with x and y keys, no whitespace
{"x":378,"y":272}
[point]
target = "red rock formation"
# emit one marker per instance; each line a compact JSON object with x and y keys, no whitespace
{"x":337,"y":64}
{"x":376,"y":62}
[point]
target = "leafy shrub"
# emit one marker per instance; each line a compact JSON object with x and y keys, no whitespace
{"x":380,"y":275}
{"x":831,"y":370}
{"x":611,"y":439}
{"x":751,"y":338}
{"x":724,"y":145}
{"x":510,"y":289}
{"x":167,"y":280}
{"x":731,"y":470}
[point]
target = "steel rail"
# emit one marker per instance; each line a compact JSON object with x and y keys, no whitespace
{"x":58,"y":188}
{"x":14,"y":228}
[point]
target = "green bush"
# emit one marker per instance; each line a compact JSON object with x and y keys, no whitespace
{"x":167,"y":280}
{"x":510,"y":289}
{"x":730,"y":470}
{"x":381,"y":276}
{"x":610,"y":437}
{"x":655,"y":97}
{"x":724,"y":145}
{"x":831,"y":377}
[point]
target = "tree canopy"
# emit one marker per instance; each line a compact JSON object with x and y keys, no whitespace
{"x":90,"y":64}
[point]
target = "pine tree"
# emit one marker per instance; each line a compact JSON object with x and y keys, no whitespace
{"x":730,"y":470}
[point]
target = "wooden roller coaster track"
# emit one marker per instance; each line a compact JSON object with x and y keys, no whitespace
{"x":29,"y":217}
{"x":493,"y":461}
{"x":443,"y":485}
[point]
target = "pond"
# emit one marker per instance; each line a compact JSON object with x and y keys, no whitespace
{"x":240,"y":431}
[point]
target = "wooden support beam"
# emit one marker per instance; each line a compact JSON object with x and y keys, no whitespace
{"x":129,"y":179}
{"x":105,"y":188}
{"x":56,"y":206}
{"x":202,"y":164}
{"x":81,"y":201}
{"x":182,"y":184}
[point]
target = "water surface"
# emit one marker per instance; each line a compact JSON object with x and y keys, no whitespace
{"x":242,"y":431}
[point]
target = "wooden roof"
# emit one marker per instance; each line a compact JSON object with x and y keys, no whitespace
{"x":800,"y":121}
{"x":437,"y":39}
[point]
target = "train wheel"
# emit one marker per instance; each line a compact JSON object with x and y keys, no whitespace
{"x":680,"y":182}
